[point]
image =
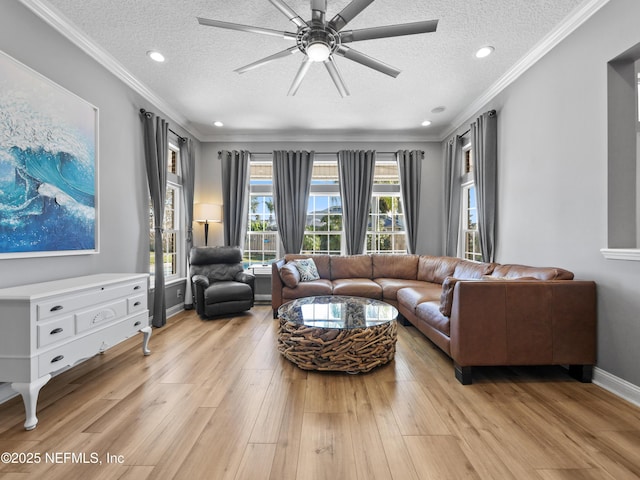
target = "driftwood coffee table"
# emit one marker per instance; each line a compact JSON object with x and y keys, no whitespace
{"x":337,"y":333}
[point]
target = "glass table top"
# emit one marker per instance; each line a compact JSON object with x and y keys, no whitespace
{"x":335,"y":311}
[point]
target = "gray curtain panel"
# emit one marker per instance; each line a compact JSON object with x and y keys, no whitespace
{"x":452,"y":192}
{"x":484,"y":142}
{"x":356,"y":168}
{"x":291,"y":185}
{"x":410,"y":168}
{"x":155,"y":137}
{"x":235,"y":195}
{"x":187,"y":171}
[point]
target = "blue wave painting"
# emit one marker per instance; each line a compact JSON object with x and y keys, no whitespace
{"x":47,"y":166}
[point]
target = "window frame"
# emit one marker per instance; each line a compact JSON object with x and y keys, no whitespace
{"x":467,"y":182}
{"x":174,"y":183}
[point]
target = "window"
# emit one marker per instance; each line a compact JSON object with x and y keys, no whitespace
{"x":171,"y":237}
{"x":261,"y":241}
{"x":385,"y":228}
{"x":324,"y":232}
{"x":470,"y":237}
{"x":323,"y":228}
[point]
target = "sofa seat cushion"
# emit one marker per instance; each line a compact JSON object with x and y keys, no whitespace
{"x":390,"y":286}
{"x":308,"y":289}
{"x":429,"y":313}
{"x":411,"y":297}
{"x":227,"y":292}
{"x":395,"y":266}
{"x":358,"y":287}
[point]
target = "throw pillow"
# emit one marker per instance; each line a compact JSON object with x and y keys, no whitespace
{"x":307,"y":269}
{"x":290,"y":275}
{"x":446,"y":297}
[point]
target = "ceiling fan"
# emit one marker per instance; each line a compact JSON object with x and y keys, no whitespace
{"x":320,"y":40}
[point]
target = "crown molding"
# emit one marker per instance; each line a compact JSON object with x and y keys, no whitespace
{"x":574,"y":20}
{"x":64,"y":26}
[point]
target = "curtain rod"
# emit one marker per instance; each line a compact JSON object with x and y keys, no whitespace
{"x":318,"y":153}
{"x":144,"y":112}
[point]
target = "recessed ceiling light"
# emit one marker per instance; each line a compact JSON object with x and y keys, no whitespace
{"x":426,"y":123}
{"x":485,"y":51}
{"x":438,"y":110}
{"x":218,"y":124}
{"x":155,"y":56}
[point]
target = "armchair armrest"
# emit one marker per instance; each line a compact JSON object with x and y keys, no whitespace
{"x":200,"y":281}
{"x":247,"y":278}
{"x":200,"y":284}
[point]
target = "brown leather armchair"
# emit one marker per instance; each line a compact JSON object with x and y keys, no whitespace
{"x":220,"y":284}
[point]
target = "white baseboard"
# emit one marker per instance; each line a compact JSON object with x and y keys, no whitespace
{"x":617,"y":386}
{"x":6,"y":392}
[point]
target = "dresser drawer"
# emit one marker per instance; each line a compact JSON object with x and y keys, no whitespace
{"x":54,"y":331}
{"x":71,"y":353}
{"x":100,"y":316}
{"x":63,"y":304}
{"x":136,"y":304}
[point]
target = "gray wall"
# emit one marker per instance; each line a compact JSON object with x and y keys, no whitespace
{"x":209,"y":187}
{"x":553,"y":175}
{"x":123,"y":200}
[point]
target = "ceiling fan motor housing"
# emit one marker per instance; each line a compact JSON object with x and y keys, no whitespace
{"x":320,"y":38}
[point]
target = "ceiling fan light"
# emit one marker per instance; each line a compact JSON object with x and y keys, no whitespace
{"x":318,"y":51}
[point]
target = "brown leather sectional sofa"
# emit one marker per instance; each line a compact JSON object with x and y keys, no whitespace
{"x":480,"y":314}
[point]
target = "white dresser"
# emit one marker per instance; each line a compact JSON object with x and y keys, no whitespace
{"x":45,"y":327}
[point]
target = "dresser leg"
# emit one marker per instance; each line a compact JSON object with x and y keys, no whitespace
{"x":146,"y":331}
{"x":29,"y":392}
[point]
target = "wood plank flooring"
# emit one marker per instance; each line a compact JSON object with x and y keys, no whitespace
{"x":216,"y":401}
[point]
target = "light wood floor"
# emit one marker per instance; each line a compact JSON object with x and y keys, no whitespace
{"x":215,"y":401}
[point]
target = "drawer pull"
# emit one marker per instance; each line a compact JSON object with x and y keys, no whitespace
{"x":137,"y":304}
{"x":137,"y":324}
{"x":56,"y":330}
{"x":57,"y":359}
{"x":56,"y":308}
{"x":137,"y":287}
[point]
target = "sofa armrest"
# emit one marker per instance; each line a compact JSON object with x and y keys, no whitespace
{"x":276,"y":285}
{"x":515,"y":322}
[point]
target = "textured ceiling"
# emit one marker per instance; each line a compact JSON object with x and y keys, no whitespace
{"x":197,"y":80}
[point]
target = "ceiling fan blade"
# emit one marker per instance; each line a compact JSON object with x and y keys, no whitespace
{"x":427,"y":26}
{"x":246,"y":28}
{"x":318,"y":11}
{"x":332,"y":68}
{"x":348,"y":13}
{"x":304,"y":68}
{"x":367,"y":61}
{"x":269,"y":59}
{"x":289,"y":13}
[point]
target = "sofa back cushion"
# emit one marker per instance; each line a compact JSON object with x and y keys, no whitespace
{"x":468,"y":270}
{"x":436,"y":269}
{"x":351,"y":266}
{"x":395,"y":266}
{"x":541,"y":273}
{"x":323,"y":263}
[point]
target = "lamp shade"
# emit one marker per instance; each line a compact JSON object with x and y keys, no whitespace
{"x":207,"y":212}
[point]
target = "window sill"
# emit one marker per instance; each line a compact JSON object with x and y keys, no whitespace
{"x":630,"y":254}
{"x":167,"y":283}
